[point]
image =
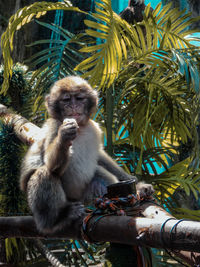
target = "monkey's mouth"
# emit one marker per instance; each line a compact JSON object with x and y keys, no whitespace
{"x":75,"y":116}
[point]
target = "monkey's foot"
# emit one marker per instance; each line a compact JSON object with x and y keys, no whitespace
{"x":76,"y":211}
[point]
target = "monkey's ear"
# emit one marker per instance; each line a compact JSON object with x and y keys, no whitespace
{"x":93,"y":102}
{"x":47,"y":98}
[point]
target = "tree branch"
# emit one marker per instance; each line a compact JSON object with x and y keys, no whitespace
{"x":157,"y":229}
{"x":26,"y":131}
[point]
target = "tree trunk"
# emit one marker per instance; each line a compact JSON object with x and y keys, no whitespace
{"x":25,"y":36}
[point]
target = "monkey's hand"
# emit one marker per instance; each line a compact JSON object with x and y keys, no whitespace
{"x":144,"y":190}
{"x":68,"y":131}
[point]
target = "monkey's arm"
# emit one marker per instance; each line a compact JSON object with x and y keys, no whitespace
{"x":110,"y":165}
{"x":51,"y":151}
{"x":143,"y":189}
{"x":56,"y":156}
{"x":56,"y":152}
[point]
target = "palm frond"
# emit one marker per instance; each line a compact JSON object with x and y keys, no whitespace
{"x":53,"y":63}
{"x":171,"y":103}
{"x":20,"y":18}
{"x":56,"y":61}
{"x":106,"y":58}
{"x":154,"y":160}
{"x":187,"y":60}
{"x":187,"y":214}
{"x":142,"y":40}
{"x":169,"y":109}
{"x":178,"y":176}
{"x":172,"y":26}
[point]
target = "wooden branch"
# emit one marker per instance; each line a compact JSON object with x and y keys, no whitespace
{"x":26,"y":131}
{"x":154,"y":232}
{"x":158,"y":230}
{"x":154,"y":228}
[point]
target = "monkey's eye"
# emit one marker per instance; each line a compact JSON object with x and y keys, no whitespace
{"x":66,"y":98}
{"x":79,"y":98}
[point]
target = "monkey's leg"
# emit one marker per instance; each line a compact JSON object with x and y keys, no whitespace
{"x":47,"y":200}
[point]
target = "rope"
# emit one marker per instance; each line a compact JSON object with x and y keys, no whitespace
{"x":171,"y":232}
{"x":120,"y":206}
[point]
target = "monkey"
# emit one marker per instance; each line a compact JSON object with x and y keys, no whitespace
{"x":134,"y":12}
{"x":67,"y":164}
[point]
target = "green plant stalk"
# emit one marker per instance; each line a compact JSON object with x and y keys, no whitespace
{"x":139,"y":165}
{"x":109,"y":120}
{"x":79,"y":255}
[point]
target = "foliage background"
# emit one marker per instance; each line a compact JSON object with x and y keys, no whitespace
{"x":147,"y":75}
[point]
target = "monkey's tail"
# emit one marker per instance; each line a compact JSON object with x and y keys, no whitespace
{"x":47,"y":254}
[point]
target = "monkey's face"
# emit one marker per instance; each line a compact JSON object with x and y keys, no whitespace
{"x":74,"y":105}
{"x":72,"y":97}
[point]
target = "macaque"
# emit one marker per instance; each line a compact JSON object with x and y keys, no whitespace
{"x":67,"y":165}
{"x":134,"y":12}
